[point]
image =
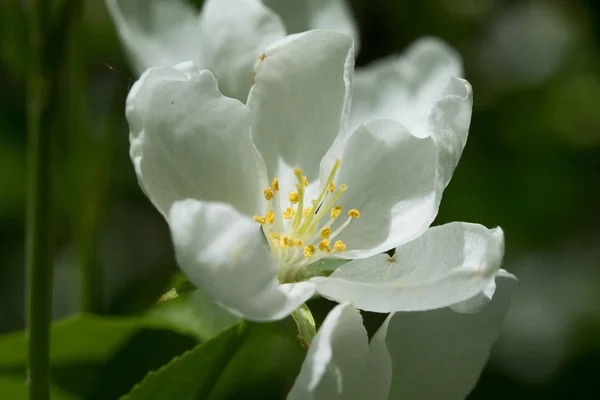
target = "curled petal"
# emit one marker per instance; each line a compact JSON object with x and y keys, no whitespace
{"x":335,"y":360}
{"x":448,"y":264}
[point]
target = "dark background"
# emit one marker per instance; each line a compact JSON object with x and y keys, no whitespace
{"x":531,"y":165}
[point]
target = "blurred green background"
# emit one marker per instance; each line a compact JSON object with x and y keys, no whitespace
{"x":531,"y":165}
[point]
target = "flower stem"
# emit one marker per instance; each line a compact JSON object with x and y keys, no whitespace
{"x":38,"y":236}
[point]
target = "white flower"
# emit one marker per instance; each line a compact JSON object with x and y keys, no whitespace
{"x":424,"y":355}
{"x":218,"y":170}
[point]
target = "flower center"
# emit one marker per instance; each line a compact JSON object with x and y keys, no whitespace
{"x":298,"y":235}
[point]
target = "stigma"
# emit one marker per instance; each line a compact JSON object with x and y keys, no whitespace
{"x":298,"y":229}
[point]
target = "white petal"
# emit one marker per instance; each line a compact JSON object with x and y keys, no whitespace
{"x":448,"y":264}
{"x":300,"y":101}
{"x":377,"y":375}
{"x":401,"y":206}
{"x":440,"y":354}
{"x":233,"y":34}
{"x":304,"y":15}
{"x":157,"y":33}
{"x":391,"y":179}
{"x":335,"y":359}
{"x":224,"y":253}
{"x":189,"y":141}
{"x":404,"y":87}
{"x":448,"y":124}
{"x":477,"y":302}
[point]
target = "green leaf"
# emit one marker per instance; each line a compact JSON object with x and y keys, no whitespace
{"x":248,"y":360}
{"x":94,"y":357}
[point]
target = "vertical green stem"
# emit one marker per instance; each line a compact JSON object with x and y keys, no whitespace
{"x":38,"y":237}
{"x":87,"y":165}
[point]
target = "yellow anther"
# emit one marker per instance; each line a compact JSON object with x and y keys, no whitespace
{"x":305,"y":181}
{"x":275,"y":235}
{"x":335,"y":211}
{"x":309,"y":251}
{"x":339,"y":246}
{"x":307,"y":211}
{"x":354,"y":213}
{"x":268,"y":193}
{"x":275,"y":184}
{"x":298,"y":173}
{"x":343,"y":188}
{"x":331,"y":187}
{"x":298,"y":243}
{"x":289,"y":213}
{"x":325,"y":232}
{"x":324,"y":246}
{"x":259,"y":219}
{"x":270,"y":217}
{"x":274,"y":243}
{"x":286,"y":242}
{"x":294,"y":197}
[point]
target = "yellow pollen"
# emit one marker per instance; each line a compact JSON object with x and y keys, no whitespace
{"x":268,"y":193}
{"x":324,"y":246}
{"x":275,"y":184}
{"x":331,"y":187}
{"x":307,"y":211}
{"x":305,"y":181}
{"x":325,"y":232}
{"x":354,"y":213}
{"x":298,"y":172}
{"x":339,"y":246}
{"x":259,"y":219}
{"x":298,"y":243}
{"x":294,"y":197}
{"x":286,"y":242}
{"x":343,"y":188}
{"x":270,"y":217}
{"x":289,"y":213}
{"x":335,"y":211}
{"x":274,"y":235}
{"x":309,"y":251}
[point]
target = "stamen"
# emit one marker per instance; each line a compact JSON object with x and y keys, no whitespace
{"x":275,"y":184}
{"x":307,"y":211}
{"x":324,"y":246}
{"x":294,"y":197}
{"x":268,"y":192}
{"x":299,"y":197}
{"x":270,"y":217}
{"x":275,"y":236}
{"x":309,"y":251}
{"x":305,"y":181}
{"x":354,"y":213}
{"x":325,"y":232}
{"x":339,"y":246}
{"x":289,"y":213}
{"x":331,"y":187}
{"x":335,"y":211}
{"x":329,"y":205}
{"x":298,"y":243}
{"x":259,"y":219}
{"x":286,"y":242}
